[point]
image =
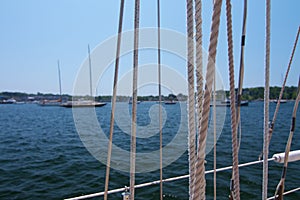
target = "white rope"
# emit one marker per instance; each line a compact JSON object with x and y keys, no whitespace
{"x":134,"y":99}
{"x":266,"y":103}
{"x":165,"y":180}
{"x":235,"y":172}
{"x":200,"y":183}
{"x":215,"y":138}
{"x":241,"y":75}
{"x":191,"y":97}
{"x":286,"y":193}
{"x":114,"y":99}
{"x":160,"y":103}
{"x":199,"y":73}
{"x":280,"y":186}
{"x":283,"y":85}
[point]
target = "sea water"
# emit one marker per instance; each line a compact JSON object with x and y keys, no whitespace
{"x":43,"y":155}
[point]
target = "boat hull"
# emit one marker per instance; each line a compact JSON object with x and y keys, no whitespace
{"x":82,"y":104}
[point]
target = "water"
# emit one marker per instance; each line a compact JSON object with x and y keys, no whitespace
{"x":42,"y":156}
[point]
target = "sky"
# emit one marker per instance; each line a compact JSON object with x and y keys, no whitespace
{"x":36,"y":34}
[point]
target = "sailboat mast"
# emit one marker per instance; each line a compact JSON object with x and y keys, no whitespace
{"x":90,"y":67}
{"x":59,"y":79}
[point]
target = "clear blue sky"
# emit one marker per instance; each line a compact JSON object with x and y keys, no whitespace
{"x":35,"y":34}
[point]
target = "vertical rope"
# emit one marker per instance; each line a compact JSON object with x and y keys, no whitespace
{"x":191,"y":97}
{"x":280,"y":187}
{"x":241,"y":73}
{"x":199,"y":61}
{"x":134,"y":99}
{"x":215,"y":139}
{"x":159,"y":96}
{"x":266,"y":103}
{"x":113,"y":106}
{"x":283,"y":85}
{"x":200,"y":183}
{"x":235,"y":162}
{"x":199,"y":58}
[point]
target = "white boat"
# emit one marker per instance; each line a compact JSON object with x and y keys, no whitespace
{"x":170,"y":102}
{"x":276,"y":100}
{"x":226,"y":103}
{"x":9,"y":101}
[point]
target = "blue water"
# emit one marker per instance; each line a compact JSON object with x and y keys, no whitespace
{"x":42,"y":156}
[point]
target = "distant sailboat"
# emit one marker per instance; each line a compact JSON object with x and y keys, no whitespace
{"x":226,"y":103}
{"x":85,"y":103}
{"x":56,"y":102}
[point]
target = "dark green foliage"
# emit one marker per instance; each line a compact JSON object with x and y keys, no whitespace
{"x":257,"y":93}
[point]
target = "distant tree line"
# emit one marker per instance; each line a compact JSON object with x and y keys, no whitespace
{"x":250,"y":94}
{"x":257,"y":93}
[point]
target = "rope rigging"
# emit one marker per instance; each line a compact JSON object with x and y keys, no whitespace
{"x":283,"y":85}
{"x":241,"y":74}
{"x":199,"y":75}
{"x":114,"y":98}
{"x":197,"y":182}
{"x":159,"y":96}
{"x":235,"y":190}
{"x":280,"y":187}
{"x":272,"y":125}
{"x":215,"y":137}
{"x":200,"y":183}
{"x":134,"y":99}
{"x":266,"y":103}
{"x":191,"y":97}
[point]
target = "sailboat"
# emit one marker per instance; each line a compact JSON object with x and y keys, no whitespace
{"x":85,"y":103}
{"x":57,"y":102}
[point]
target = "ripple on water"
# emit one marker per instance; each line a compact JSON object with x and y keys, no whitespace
{"x":42,"y":156}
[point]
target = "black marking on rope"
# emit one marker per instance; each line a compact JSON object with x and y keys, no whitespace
{"x":243,"y":40}
{"x":239,"y":100}
{"x":283,"y":172}
{"x":293,"y":124}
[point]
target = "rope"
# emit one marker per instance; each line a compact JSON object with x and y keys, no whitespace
{"x":283,"y":85}
{"x":165,"y":180}
{"x":266,"y":103}
{"x":282,"y":90}
{"x":199,"y":69}
{"x":159,"y":94}
{"x":215,"y":138}
{"x":280,"y":186}
{"x":235,"y":172}
{"x":241,"y":74}
{"x":200,"y":183}
{"x":134,"y":99}
{"x":113,"y":106}
{"x":286,"y":193}
{"x":191,"y":97}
